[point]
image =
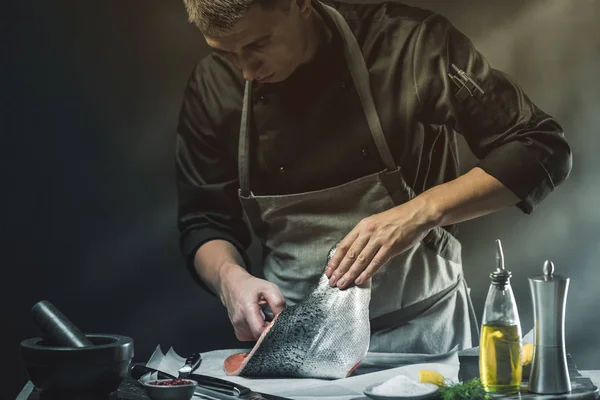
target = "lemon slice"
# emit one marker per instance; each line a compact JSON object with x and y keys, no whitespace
{"x":427,"y":376}
{"x":527,"y":354}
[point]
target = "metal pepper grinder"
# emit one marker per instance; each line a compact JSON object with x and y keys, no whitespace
{"x":549,"y":370}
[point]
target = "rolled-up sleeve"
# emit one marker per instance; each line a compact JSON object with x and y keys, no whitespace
{"x":208,"y":205}
{"x":515,"y":142}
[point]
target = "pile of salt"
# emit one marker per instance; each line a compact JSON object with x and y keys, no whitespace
{"x":402,"y":385}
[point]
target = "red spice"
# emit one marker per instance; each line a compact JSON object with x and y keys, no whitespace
{"x":171,"y":382}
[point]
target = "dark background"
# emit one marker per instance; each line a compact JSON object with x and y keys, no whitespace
{"x":90,"y":96}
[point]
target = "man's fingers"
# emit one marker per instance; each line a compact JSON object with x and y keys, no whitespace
{"x":241,"y":329}
{"x":255,"y":321}
{"x":340,"y":252}
{"x":378,"y":260}
{"x":353,"y":255}
{"x":275,"y":299}
{"x":244,"y":335}
{"x":360,"y":264}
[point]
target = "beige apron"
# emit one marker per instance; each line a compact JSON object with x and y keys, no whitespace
{"x":419,"y":302}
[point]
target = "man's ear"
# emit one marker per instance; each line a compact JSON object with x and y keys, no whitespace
{"x":304,"y":7}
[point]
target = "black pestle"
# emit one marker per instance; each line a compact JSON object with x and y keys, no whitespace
{"x":57,"y":329}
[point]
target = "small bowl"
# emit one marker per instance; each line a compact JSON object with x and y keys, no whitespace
{"x":368,"y":391}
{"x":170,"y":392}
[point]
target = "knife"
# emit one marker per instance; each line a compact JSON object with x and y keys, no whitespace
{"x":211,"y":386}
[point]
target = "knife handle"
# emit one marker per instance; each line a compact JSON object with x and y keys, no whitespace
{"x":220,"y":385}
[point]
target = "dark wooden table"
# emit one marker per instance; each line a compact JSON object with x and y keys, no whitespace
{"x":583,"y":383}
{"x":130,"y":389}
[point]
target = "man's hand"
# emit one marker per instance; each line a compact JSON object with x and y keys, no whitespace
{"x":244,"y":295}
{"x":374,"y":241}
{"x":380,"y":237}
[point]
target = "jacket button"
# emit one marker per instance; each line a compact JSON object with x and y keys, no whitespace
{"x":343,"y":85}
{"x":281,"y":169}
{"x":264,"y":99}
{"x":365,"y":152}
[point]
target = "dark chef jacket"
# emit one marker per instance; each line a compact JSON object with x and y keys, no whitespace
{"x":310,"y":131}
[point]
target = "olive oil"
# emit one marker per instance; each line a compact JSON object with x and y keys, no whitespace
{"x":500,"y":345}
{"x":500,"y":362}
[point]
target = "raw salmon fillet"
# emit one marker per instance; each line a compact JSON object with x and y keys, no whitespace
{"x":326,"y":336}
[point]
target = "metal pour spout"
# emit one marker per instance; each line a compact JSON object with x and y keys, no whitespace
{"x":500,"y":276}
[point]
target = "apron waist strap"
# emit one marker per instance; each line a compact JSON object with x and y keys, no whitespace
{"x":403,"y":315}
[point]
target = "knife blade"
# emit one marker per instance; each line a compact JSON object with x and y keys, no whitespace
{"x":211,"y":386}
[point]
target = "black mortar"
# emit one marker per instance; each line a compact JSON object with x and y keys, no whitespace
{"x":78,"y":372}
{"x":67,"y":364}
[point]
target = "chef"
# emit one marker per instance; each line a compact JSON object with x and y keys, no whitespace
{"x":317,"y":123}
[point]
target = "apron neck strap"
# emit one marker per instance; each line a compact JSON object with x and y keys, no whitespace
{"x":360,"y":76}
{"x":244,"y":141}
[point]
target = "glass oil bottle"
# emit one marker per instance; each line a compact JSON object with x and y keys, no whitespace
{"x":500,"y":348}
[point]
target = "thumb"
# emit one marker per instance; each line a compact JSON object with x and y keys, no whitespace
{"x":275,"y":299}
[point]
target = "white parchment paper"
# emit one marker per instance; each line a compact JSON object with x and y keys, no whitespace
{"x":369,"y":372}
{"x":375,"y":368}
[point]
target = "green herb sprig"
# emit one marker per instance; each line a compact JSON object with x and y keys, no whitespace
{"x":470,"y":390}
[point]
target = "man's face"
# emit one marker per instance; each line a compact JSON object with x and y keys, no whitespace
{"x":267,"y":45}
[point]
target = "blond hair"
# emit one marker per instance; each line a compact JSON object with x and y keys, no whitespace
{"x":218,"y":16}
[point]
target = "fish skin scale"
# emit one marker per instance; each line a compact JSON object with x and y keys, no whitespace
{"x":296,"y":321}
{"x":324,"y":336}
